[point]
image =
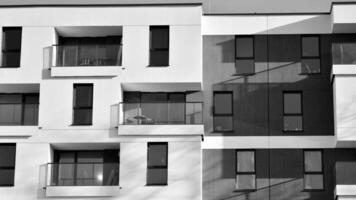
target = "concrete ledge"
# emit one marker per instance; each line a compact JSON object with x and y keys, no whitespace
{"x":344,"y":69}
{"x":82,"y":191}
{"x":269,"y":142}
{"x":18,"y":131}
{"x":85,"y":71}
{"x":161,"y":129}
{"x":345,"y":190}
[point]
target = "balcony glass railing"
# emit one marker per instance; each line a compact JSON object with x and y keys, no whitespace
{"x":87,"y":55}
{"x":344,"y":53}
{"x":162,"y":113}
{"x":82,"y":174}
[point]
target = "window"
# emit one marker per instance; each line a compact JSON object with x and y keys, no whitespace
{"x":313,"y":170}
{"x":245,"y":56}
{"x":7,"y":164}
{"x":11,"y":47}
{"x":310,"y":55}
{"x":85,"y":168}
{"x":157,"y":162}
{"x":83,"y":104}
{"x":292,"y":111}
{"x":245,"y":170}
{"x":18,"y":109}
{"x":223,"y":111}
{"x":159,"y":45}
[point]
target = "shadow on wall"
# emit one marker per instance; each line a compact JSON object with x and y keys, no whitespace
{"x":258,"y":98}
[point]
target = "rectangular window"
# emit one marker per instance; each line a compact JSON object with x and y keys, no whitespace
{"x":292,"y":111}
{"x":7,"y":164}
{"x":159,"y":46}
{"x":157,"y":163}
{"x":223,"y":111}
{"x":83,"y":104}
{"x":19,"y":109}
{"x":313,"y":170}
{"x":85,"y":168}
{"x":11,"y":46}
{"x":244,"y":55}
{"x":245,"y":170}
{"x":310,"y":61}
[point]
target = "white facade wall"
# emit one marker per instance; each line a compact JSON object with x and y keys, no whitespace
{"x":55,"y":130}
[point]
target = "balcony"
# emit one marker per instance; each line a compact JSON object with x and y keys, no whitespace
{"x":161,"y":118}
{"x":82,"y":179}
{"x":98,"y":59}
{"x":344,"y":56}
{"x":344,"y":173}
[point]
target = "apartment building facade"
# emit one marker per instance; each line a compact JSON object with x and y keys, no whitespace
{"x":177,"y":100}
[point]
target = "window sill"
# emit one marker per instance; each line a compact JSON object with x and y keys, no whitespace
{"x":159,"y":66}
{"x":156,"y":185}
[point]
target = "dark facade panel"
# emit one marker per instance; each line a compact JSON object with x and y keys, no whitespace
{"x":258,"y":97}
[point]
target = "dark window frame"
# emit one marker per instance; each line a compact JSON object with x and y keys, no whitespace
{"x":75,"y":107}
{"x":23,"y":103}
{"x":301,"y":114}
{"x":157,"y":167}
{"x":246,"y":173}
{"x":9,"y":167}
{"x":223,"y":115}
{"x":245,"y":58}
{"x":310,"y":57}
{"x":4,"y":51}
{"x":313,"y":172}
{"x":158,"y":49}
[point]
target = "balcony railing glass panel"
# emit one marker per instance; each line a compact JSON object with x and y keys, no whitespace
{"x":344,"y":53}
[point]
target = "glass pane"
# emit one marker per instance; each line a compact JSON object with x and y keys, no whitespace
{"x":90,"y":157}
{"x":223,"y":123}
{"x":89,"y":174}
{"x":82,"y":116}
{"x":11,"y":59}
{"x":245,"y":161}
{"x":31,"y":99}
{"x":7,"y":155}
{"x":176,"y":113}
{"x":244,"y":47}
{"x":154,"y":113}
{"x":310,"y":46}
{"x":313,"y":181}
{"x":312,"y":161}
{"x":159,"y":37}
{"x":194,"y":113}
{"x":292,"y":103}
{"x":10,"y":98}
{"x":156,"y":176}
{"x":310,"y":66}
{"x":344,"y":53}
{"x":12,"y":39}
{"x":176,"y":97}
{"x":83,"y":95}
{"x":157,"y":155}
{"x":30,"y":114}
{"x":153,"y":97}
{"x":87,"y":55}
{"x":245,"y":66}
{"x":131,"y":113}
{"x":222,"y":103}
{"x":159,"y":57}
{"x":293,"y":123}
{"x":69,"y":55}
{"x":66,"y":174}
{"x":110,"y":174}
{"x":245,"y":182}
{"x":7,"y":177}
{"x":10,"y":114}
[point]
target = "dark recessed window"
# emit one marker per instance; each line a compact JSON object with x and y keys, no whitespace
{"x":313,"y":170}
{"x":83,"y":104}
{"x":7,"y":164}
{"x":245,"y":170}
{"x":157,"y":163}
{"x":19,"y":109}
{"x":223,"y":111}
{"x":159,"y":46}
{"x":244,"y":55}
{"x":310,"y":55}
{"x":11,"y":47}
{"x":292,"y":111}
